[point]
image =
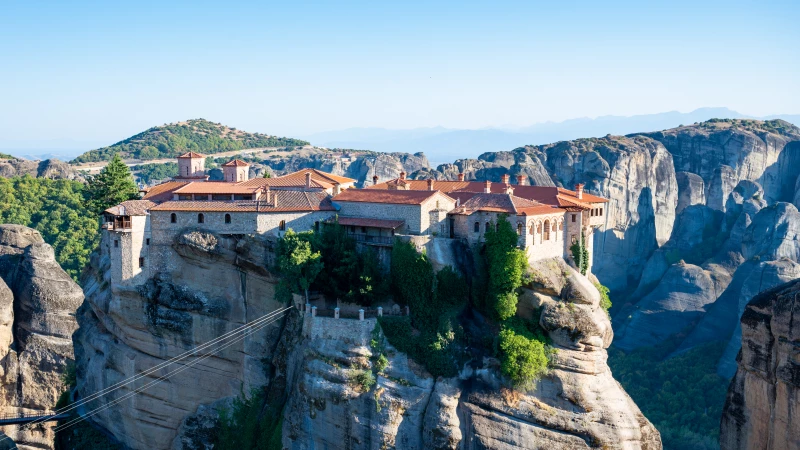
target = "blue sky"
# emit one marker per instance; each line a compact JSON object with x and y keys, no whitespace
{"x":100,"y":71}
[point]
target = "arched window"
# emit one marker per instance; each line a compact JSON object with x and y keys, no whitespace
{"x":520,"y":229}
{"x":546,"y":230}
{"x":187,"y":171}
{"x":487,"y":226}
{"x":173,"y":218}
{"x":201,"y":218}
{"x":477,"y":227}
{"x":227,"y":218}
{"x":560,"y":225}
{"x":282,"y":225}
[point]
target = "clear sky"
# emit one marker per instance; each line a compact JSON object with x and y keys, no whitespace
{"x":101,"y":71}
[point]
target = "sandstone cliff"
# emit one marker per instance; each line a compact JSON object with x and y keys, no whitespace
{"x":213,"y":284}
{"x":37,"y":318}
{"x":48,"y":168}
{"x":577,"y":405}
{"x":207,"y":287}
{"x":761,"y":411}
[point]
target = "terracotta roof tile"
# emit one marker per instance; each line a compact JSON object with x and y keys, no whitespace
{"x":192,"y":155}
{"x":550,"y":195}
{"x":131,"y":208}
{"x":285,"y":182}
{"x":215,"y":187}
{"x":384,"y":196}
{"x":163,"y":192}
{"x":236,"y":163}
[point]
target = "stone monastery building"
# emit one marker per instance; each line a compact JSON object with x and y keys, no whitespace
{"x":548,"y":220}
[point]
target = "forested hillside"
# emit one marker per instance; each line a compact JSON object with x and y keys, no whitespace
{"x":56,"y":208}
{"x":197,"y":135}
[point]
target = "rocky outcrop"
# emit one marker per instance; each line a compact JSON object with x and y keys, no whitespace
{"x":37,"y":318}
{"x":577,"y":405}
{"x":209,"y":285}
{"x":761,"y":410}
{"x":48,"y":168}
{"x":361,"y":166}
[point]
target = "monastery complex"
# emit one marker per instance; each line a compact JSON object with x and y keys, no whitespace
{"x":548,"y":220}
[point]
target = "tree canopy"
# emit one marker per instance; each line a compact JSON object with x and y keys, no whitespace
{"x":113,"y":185}
{"x":297,"y":262}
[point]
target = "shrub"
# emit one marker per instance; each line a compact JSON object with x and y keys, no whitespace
{"x":523,"y":358}
{"x":248,"y":425}
{"x":605,"y":299}
{"x":580,"y":254}
{"x":363,"y":380}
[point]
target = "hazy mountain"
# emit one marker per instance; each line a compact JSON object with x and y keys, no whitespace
{"x":443,"y":144}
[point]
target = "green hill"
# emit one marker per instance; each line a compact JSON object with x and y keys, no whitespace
{"x":197,"y":135}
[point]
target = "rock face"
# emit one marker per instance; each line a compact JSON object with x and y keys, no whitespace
{"x":577,"y":405}
{"x":209,"y":285}
{"x":49,"y":168}
{"x":761,"y":410}
{"x":37,"y":318}
{"x":362,"y":166}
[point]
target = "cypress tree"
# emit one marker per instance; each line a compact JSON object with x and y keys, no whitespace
{"x":113,"y":185}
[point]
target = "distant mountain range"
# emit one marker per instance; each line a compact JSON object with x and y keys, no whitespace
{"x":444,"y":145}
{"x":438,"y":143}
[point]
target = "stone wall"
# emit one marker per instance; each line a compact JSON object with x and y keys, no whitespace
{"x":417,"y":217}
{"x":302,"y":221}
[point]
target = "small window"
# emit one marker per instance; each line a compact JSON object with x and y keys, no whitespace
{"x":592,"y":213}
{"x":227,"y":218}
{"x":477,"y":227}
{"x":546,"y":230}
{"x":573,"y":217}
{"x":442,"y":228}
{"x":364,"y":229}
{"x":487,"y":226}
{"x":116,"y":243}
{"x":173,"y":218}
{"x":201,"y":218}
{"x":282,"y":225}
{"x":574,"y":239}
{"x":520,"y":229}
{"x":147,"y":241}
{"x":561,"y":225}
{"x":141,"y":262}
{"x":601,"y":211}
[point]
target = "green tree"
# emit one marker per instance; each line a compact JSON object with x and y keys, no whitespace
{"x":298,"y":264}
{"x":524,"y":357}
{"x":113,"y":185}
{"x":580,"y":254}
{"x":506,"y":267}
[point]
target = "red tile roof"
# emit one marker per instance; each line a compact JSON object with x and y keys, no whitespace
{"x":550,"y":195}
{"x":374,"y":223}
{"x":236,"y":163}
{"x":131,"y":208}
{"x":326,"y":176}
{"x":163,"y":192}
{"x":503,"y":203}
{"x":192,"y":155}
{"x":385,"y":196}
{"x":215,"y":187}
{"x":288,"y":201}
{"x":286,"y":182}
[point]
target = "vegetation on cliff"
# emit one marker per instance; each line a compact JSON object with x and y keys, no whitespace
{"x":59,"y":210}
{"x":248,"y":425}
{"x":197,"y":135}
{"x":682,"y":395}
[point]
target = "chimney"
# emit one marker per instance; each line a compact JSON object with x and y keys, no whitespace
{"x":487,"y":187}
{"x":520,"y":179}
{"x":275,"y":200}
{"x":460,"y":177}
{"x":403,"y":175}
{"x":509,"y":189}
{"x":430,"y":185}
{"x":458,"y":202}
{"x":267,"y":193}
{"x":579,"y":190}
{"x":505,"y":178}
{"x":308,"y":179}
{"x":374,"y":180}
